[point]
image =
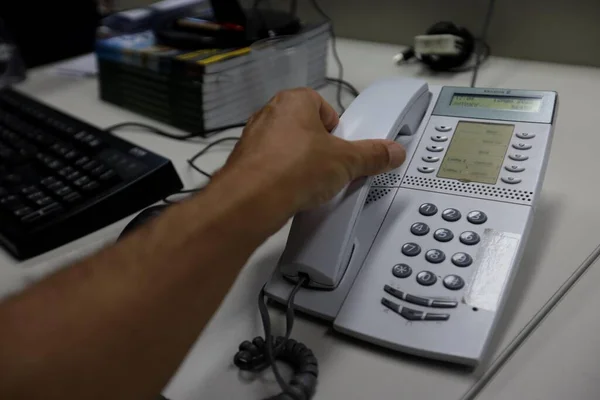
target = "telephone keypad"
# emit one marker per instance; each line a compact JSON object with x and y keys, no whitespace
{"x":426,"y":278}
{"x":443,"y":235}
{"x":411,"y":249}
{"x":401,"y":271}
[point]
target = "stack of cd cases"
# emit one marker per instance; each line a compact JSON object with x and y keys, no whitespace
{"x":193,"y":90}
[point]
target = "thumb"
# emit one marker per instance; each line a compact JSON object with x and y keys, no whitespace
{"x":376,"y":156}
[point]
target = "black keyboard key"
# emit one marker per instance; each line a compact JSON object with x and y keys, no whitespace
{"x":44,"y":201}
{"x":108,"y":175}
{"x":49,"y":180}
{"x":42,"y":212}
{"x":22,"y":211}
{"x":36,"y":196}
{"x":55,"y":164}
{"x":74,"y":176}
{"x":66,"y":171}
{"x":93,"y":164}
{"x":99,"y":170}
{"x":71,"y":155}
{"x":29,"y":189}
{"x":11,"y":202}
{"x":63,"y":191}
{"x":81,"y":181}
{"x":83,"y":160}
{"x":72,"y":197}
{"x":93,"y":185}
{"x":55,"y":185}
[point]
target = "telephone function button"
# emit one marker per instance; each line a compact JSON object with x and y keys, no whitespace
{"x":420,"y":301}
{"x":443,"y":235}
{"x":518,"y":157}
{"x":514,"y":168}
{"x":401,"y":271}
{"x":411,"y":315}
{"x":469,"y":238}
{"x":419,"y":229}
{"x":425,"y":170}
{"x":430,"y":159}
{"x":394,"y":292}
{"x":451,"y":214}
{"x":525,"y":135}
{"x":436,"y":317}
{"x":435,"y":256}
{"x":426,"y":278}
{"x":462,"y":259}
{"x":435,"y":149}
{"x":511,"y":180}
{"x":521,"y":146}
{"x":411,"y":249}
{"x":428,"y":209}
{"x":439,"y":138}
{"x":454,"y":282}
{"x":444,"y":304}
{"x":390,"y":304}
{"x":476,"y":217}
{"x":443,"y":128}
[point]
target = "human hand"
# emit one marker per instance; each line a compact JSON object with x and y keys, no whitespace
{"x":287,"y":150}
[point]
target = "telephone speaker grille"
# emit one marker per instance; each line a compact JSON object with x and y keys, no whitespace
{"x":389,"y":180}
{"x":376,"y":194}
{"x":473,"y":189}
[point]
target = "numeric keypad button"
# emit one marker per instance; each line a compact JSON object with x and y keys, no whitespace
{"x":428,"y":209}
{"x":454,"y":282}
{"x":435,"y":256}
{"x":443,"y":235}
{"x":462,"y":259}
{"x":411,"y":249}
{"x":401,"y":271}
{"x":469,"y":238}
{"x":419,"y":229}
{"x":476,"y":217}
{"x":451,"y":214}
{"x":426,"y":278}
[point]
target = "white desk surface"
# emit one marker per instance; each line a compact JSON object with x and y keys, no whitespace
{"x":563,"y":236}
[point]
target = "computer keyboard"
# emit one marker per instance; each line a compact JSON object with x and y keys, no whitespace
{"x":61,"y":178}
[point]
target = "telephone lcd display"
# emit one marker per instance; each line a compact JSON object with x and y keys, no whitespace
{"x":476,"y":152}
{"x":503,"y":103}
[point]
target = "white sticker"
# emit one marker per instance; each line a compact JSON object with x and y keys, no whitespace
{"x":494,"y":262}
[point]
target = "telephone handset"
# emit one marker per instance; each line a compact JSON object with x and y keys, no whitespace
{"x":321,"y":241}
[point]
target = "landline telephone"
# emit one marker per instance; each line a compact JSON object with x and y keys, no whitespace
{"x":421,"y":259}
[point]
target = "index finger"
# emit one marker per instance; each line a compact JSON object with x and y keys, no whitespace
{"x":328,"y":115}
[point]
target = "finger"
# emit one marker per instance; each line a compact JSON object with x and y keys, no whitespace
{"x":375,"y":157}
{"x":328,"y":115}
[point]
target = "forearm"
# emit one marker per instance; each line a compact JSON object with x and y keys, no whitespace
{"x":118,"y":324}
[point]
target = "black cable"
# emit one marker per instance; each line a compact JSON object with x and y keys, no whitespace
{"x":335,"y":53}
{"x":345,"y":84}
{"x":262,"y":353}
{"x":485,"y":52}
{"x":191,"y":160}
{"x":169,"y":135}
{"x":484,"y":30}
